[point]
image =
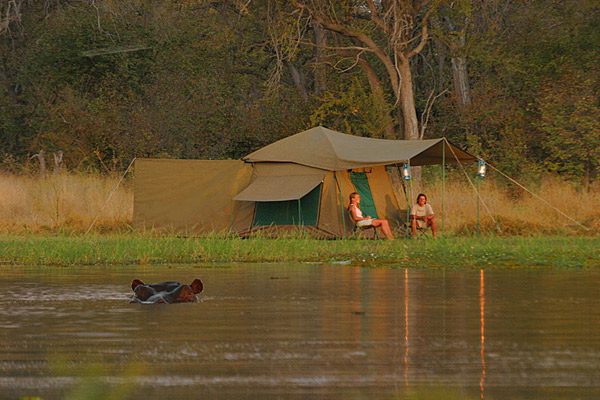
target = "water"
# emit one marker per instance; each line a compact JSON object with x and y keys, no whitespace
{"x":302,"y":331}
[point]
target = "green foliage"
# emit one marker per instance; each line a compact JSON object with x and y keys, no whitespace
{"x":530,"y":66}
{"x":570,"y":125}
{"x":197,"y":92}
{"x":201,"y":84}
{"x":352,"y":109}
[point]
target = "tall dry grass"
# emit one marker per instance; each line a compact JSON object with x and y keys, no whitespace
{"x":71,"y":202}
{"x":63,"y":202}
{"x":511,"y":210}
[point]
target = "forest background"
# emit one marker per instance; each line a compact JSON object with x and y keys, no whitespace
{"x":87,"y":86}
{"x":516,"y":82}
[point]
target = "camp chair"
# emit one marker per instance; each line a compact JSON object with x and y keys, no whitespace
{"x":422,"y":232}
{"x":361,"y":229}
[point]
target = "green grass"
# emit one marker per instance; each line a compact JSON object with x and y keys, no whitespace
{"x":458,"y":252}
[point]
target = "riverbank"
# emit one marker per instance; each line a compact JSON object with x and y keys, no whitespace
{"x":453,"y":252}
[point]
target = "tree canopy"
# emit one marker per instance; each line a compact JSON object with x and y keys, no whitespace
{"x":105,"y":81}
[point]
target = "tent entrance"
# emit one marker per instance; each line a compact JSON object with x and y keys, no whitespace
{"x":361,"y":183}
{"x":304,"y":211}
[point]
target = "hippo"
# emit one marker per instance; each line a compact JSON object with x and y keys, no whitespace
{"x":165,"y":292}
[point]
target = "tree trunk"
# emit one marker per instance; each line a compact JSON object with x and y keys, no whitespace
{"x":460,"y":79}
{"x":409,"y":112}
{"x":58,"y":161}
{"x":320,"y":84}
{"x":460,"y":75}
{"x":441,"y":54}
{"x":41,"y":156}
{"x":298,"y":81}
{"x":407,"y":102}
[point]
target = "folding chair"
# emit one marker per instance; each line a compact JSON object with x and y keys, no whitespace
{"x":358,"y":230}
{"x":422,"y":232}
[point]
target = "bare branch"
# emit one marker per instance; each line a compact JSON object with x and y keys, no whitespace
{"x":285,"y":39}
{"x":361,"y":37}
{"x":375,"y":17}
{"x":424,"y":36}
{"x":356,"y":61}
{"x":10,"y":12}
{"x":427,"y":112}
{"x":337,"y":48}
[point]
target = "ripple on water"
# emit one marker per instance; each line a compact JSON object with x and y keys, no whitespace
{"x":59,"y":294}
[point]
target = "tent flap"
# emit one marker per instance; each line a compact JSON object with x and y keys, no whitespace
{"x":280,"y":188}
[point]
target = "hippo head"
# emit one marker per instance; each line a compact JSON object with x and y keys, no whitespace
{"x":142,"y":291}
{"x":197,"y":286}
{"x":165,"y":292}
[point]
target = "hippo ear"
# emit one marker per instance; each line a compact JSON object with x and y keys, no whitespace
{"x":135,"y":283}
{"x":197,"y":286}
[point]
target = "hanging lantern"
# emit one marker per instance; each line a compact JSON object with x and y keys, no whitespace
{"x":406,"y":172}
{"x":481,"y":168}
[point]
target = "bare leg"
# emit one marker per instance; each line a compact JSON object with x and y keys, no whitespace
{"x":413,"y":225}
{"x":431,"y":223}
{"x":385,"y":228}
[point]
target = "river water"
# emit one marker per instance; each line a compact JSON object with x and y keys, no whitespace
{"x":299,"y":331}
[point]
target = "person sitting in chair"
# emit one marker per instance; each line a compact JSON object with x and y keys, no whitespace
{"x":362,"y":221}
{"x":421,"y":216}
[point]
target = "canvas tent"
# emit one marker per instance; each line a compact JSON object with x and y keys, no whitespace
{"x":302,"y":180}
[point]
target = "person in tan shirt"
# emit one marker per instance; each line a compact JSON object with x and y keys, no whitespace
{"x":421,"y":214}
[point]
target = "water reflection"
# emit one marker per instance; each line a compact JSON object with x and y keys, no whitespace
{"x":406,"y":346}
{"x":297,"y":331}
{"x":482,"y":329}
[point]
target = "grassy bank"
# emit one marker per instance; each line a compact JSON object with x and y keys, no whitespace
{"x":568,"y":252}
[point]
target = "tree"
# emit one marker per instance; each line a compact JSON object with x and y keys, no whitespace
{"x":390,"y":32}
{"x":451,"y":24}
{"x":570,"y":125}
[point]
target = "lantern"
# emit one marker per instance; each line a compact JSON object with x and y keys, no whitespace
{"x":481,"y":168}
{"x":406,"y":172}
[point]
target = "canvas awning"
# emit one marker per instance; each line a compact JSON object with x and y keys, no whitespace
{"x":280,"y":188}
{"x":323,"y":148}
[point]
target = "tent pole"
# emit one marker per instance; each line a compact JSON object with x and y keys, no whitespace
{"x":299,"y":213}
{"x":406,"y":198}
{"x":337,"y":183}
{"x":478,"y":180}
{"x":443,"y":181}
{"x":410,"y":191}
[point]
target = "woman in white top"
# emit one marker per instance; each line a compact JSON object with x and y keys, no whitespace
{"x":422,"y":214}
{"x":363,"y":221}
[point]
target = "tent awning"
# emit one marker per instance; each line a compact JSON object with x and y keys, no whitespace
{"x":280,"y":188}
{"x":323,"y":148}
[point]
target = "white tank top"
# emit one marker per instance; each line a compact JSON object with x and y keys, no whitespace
{"x":359,"y":213}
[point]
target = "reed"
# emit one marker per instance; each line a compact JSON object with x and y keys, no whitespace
{"x":69,"y":203}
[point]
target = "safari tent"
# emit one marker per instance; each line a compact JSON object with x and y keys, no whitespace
{"x":303,"y":180}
